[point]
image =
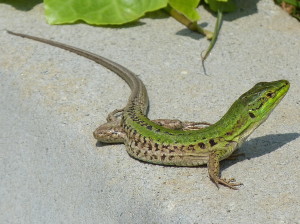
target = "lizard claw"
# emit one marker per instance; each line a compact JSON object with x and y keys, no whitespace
{"x":231,"y":183}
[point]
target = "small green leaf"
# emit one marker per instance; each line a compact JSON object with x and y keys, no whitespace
{"x":187,"y":8}
{"x":222,"y":5}
{"x":291,"y":2}
{"x":99,"y":12}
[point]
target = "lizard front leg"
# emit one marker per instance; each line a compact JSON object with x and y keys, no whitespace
{"x":214,"y":173}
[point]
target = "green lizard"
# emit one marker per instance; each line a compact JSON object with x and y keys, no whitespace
{"x":172,"y":142}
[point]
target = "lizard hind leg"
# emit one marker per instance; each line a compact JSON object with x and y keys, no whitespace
{"x":110,"y":132}
{"x":181,"y":125}
{"x":112,"y":116}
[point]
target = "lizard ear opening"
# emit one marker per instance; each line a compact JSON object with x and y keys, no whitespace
{"x":251,"y":114}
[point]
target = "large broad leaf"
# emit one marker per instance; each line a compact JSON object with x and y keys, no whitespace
{"x":99,"y":12}
{"x":187,"y":8}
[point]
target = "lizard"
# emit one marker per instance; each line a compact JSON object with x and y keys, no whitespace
{"x":173,"y":142}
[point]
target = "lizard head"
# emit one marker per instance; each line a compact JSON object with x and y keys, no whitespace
{"x":259,"y":101}
{"x":252,"y":108}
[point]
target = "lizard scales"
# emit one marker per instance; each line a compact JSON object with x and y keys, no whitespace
{"x":172,"y":142}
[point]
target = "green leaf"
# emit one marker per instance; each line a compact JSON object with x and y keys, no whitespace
{"x":291,"y":2}
{"x":222,"y":5}
{"x":99,"y":12}
{"x":187,"y":8}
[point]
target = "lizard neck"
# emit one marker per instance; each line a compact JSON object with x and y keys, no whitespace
{"x":236,"y":125}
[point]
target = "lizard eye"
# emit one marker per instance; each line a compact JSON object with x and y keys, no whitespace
{"x":270,"y":95}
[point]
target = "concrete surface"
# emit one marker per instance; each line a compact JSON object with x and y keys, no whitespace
{"x":51,"y":169}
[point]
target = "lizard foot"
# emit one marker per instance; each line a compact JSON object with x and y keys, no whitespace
{"x":231,"y":183}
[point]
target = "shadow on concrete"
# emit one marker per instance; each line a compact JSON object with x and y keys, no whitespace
{"x":21,"y":4}
{"x":261,"y":146}
{"x":243,"y":8}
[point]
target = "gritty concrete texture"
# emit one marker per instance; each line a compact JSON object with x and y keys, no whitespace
{"x":51,"y":169}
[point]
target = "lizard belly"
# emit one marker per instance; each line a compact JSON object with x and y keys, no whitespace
{"x":157,"y":153}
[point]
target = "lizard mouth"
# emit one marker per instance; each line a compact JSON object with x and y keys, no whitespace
{"x":281,"y":93}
